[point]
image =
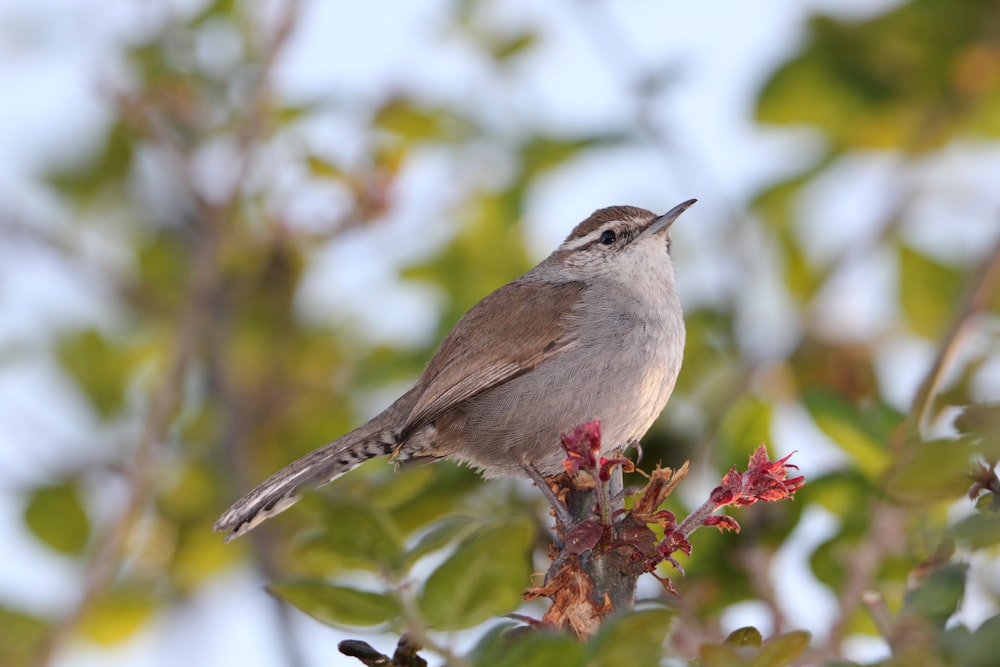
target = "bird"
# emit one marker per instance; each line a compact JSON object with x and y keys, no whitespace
{"x":594,"y":331}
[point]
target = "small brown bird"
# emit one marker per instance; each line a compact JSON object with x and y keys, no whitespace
{"x":595,"y":331}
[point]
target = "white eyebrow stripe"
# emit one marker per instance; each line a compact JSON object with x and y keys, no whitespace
{"x":573,"y":244}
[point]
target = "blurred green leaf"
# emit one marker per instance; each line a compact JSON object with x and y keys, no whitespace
{"x":198,"y":554}
{"x":438,"y":535}
{"x":487,"y":251}
{"x":981,"y":422}
{"x":217,"y":8}
{"x":892,"y":81}
{"x":353,"y":534}
{"x":929,"y":292}
{"x":847,"y":427}
{"x":163,"y":259}
{"x":782,"y":650}
{"x":978,"y":531}
{"x":108,"y":167}
{"x":931,"y":471}
{"x":509,"y":47}
{"x":322,"y":168}
{"x":191,"y":491}
{"x":776,"y":206}
{"x":710,"y":655}
{"x":522,"y":647}
{"x":337,"y":605}
{"x":542,"y":153}
{"x":632,"y":638}
{"x":828,"y":561}
{"x":844,"y":493}
{"x":446,"y":493}
{"x":409,"y":121}
{"x":100,"y":367}
{"x":983,"y":646}
{"x":56,"y":517}
{"x":118,"y":614}
{"x":938,"y":595}
{"x":21,"y":636}
{"x":746,"y":636}
{"x":711,"y":348}
{"x":294,"y":112}
{"x":483,"y":578}
{"x":777,"y":651}
{"x":744,"y":427}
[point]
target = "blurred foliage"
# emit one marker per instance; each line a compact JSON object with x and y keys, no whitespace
{"x":211,"y":373}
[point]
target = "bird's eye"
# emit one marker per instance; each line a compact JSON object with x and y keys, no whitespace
{"x":608,"y":237}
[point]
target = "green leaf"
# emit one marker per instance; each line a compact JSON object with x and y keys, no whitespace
{"x":929,"y":292}
{"x":847,"y":426}
{"x":748,"y":636}
{"x":983,"y":647}
{"x":446,"y":494}
{"x":541,"y":153}
{"x":403,"y":118}
{"x":483,"y":578}
{"x":744,"y":427}
{"x":108,"y":166}
{"x":56,"y":516}
{"x":776,"y":206}
{"x":322,"y":168}
{"x":782,"y":650}
{"x":440,"y":533}
{"x":523,"y":647}
{"x":198,"y":554}
{"x":775,"y":652}
{"x":488,"y":251}
{"x":938,"y":595}
{"x":931,"y":471}
{"x":978,"y":531}
{"x":286,"y":115}
{"x":845,"y":493}
{"x":633,"y":638}
{"x":99,"y":366}
{"x":20,"y":638}
{"x":353,"y":534}
{"x":897,"y":80}
{"x":120,"y":613}
{"x":503,"y":49}
{"x":338,"y":606}
{"x":981,"y":423}
{"x":827,"y":561}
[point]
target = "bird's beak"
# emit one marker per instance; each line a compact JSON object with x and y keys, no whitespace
{"x":662,"y":223}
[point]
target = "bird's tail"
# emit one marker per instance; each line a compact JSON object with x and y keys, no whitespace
{"x":282,"y":489}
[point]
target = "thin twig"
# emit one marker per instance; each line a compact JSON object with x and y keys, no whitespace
{"x":982,"y":286}
{"x":879,"y":612}
{"x":883,"y":537}
{"x":110,"y":551}
{"x":416,"y":627}
{"x":104,"y":563}
{"x":696,"y":519}
{"x":757,"y":562}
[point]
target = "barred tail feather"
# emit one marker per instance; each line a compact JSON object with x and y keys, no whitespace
{"x":281,"y":490}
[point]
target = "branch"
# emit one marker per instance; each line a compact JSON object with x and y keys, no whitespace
{"x":603,"y":549}
{"x":982,"y":287}
{"x":191,"y":333}
{"x":166,"y":398}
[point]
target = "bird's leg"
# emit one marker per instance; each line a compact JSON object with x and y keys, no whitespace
{"x":563,"y":515}
{"x":619,"y":495}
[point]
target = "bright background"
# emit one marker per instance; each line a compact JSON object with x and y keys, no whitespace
{"x":368,"y":174}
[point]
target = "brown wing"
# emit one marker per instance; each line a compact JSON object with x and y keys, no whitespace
{"x":492,"y":344}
